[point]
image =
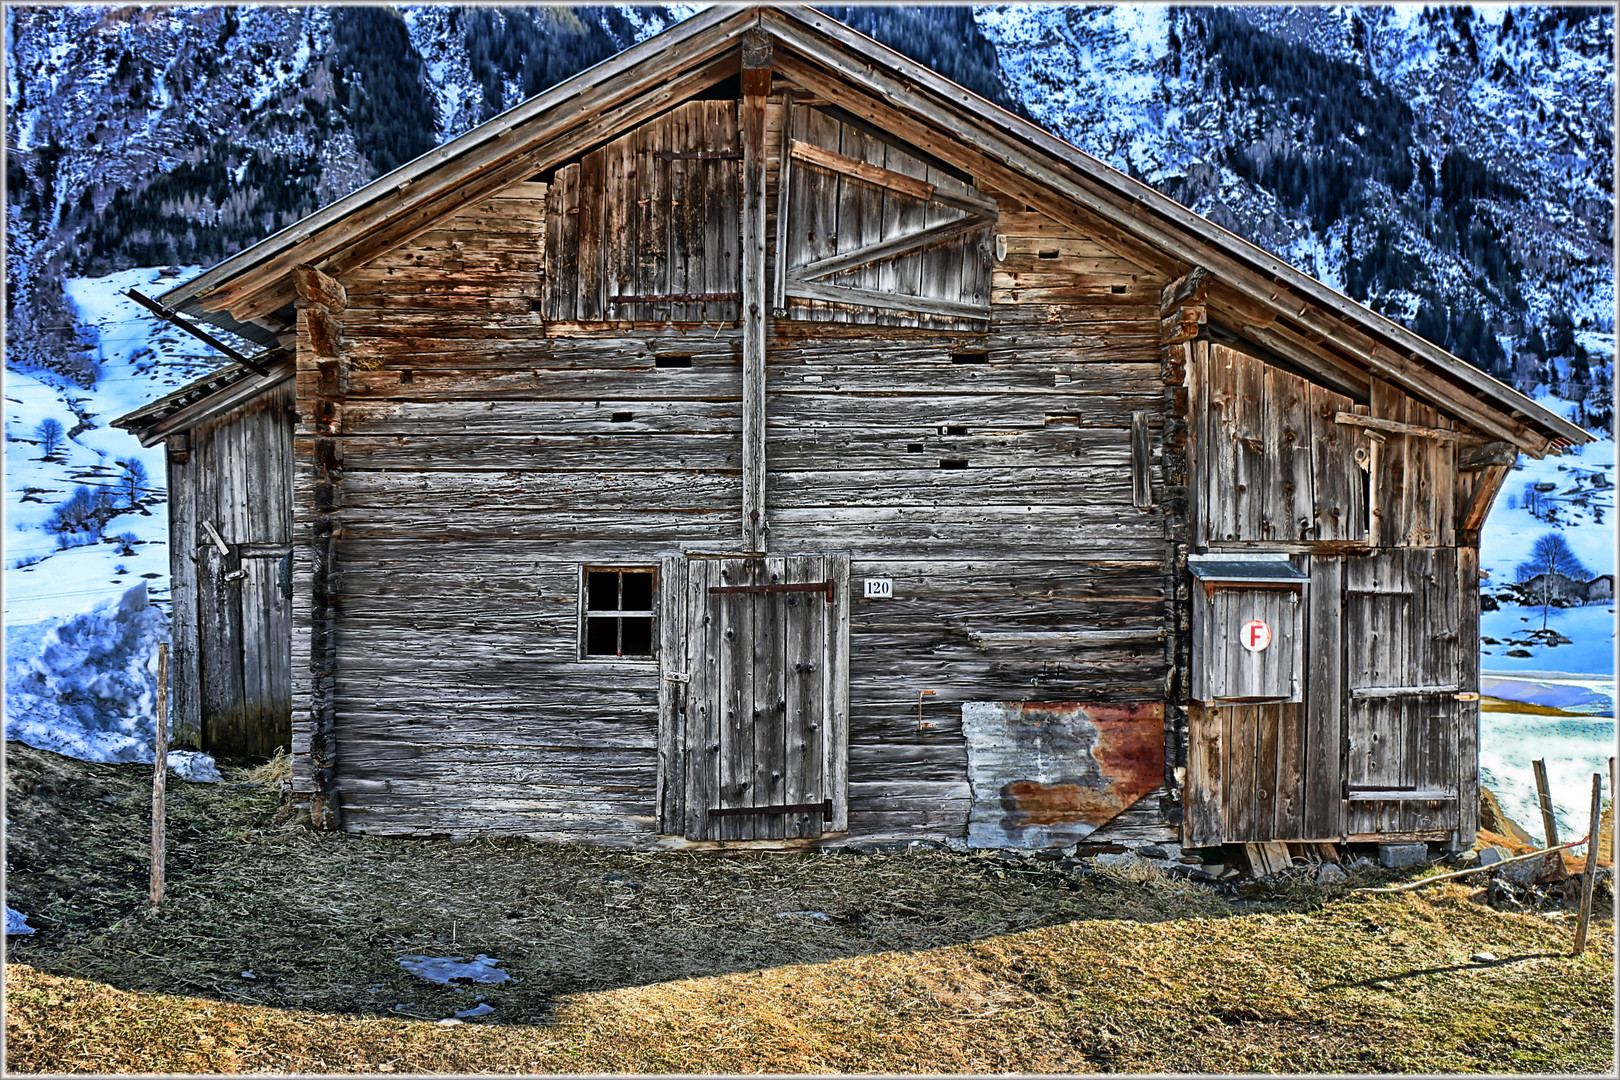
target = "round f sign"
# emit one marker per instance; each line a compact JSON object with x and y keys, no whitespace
{"x":1255,"y":635}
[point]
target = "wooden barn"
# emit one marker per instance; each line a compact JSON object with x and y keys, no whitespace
{"x":759,"y":439}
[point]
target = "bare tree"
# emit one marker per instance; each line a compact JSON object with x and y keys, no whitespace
{"x":132,"y":481}
{"x":50,"y":436}
{"x":1551,"y":555}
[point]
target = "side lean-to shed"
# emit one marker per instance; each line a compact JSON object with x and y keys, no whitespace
{"x":758,"y":438}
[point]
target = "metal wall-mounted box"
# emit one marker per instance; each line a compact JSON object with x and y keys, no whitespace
{"x":1248,"y":628}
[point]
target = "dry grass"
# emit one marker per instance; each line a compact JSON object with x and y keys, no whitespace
{"x":648,"y":963}
{"x":1382,"y":985}
{"x":271,"y":774}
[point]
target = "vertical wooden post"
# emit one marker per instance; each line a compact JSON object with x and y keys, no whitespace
{"x":160,"y":773}
{"x":1549,"y":823}
{"x":1614,"y":833}
{"x":1587,"y":879}
{"x":756,"y":87}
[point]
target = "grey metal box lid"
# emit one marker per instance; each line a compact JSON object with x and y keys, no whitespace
{"x":1268,"y":571}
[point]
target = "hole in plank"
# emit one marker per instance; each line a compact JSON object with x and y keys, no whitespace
{"x":914,"y":448}
{"x":623,"y":417}
{"x":953,"y":429}
{"x":1047,"y":253}
{"x":673,"y":361}
{"x":975,"y":356}
{"x":953,"y":463}
{"x":407,"y":375}
{"x":1117,"y":289}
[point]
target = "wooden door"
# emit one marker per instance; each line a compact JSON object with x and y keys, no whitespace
{"x":1271,"y":771}
{"x":1404,"y":666}
{"x":764,"y":723}
{"x":649,"y":226}
{"x":245,"y":648}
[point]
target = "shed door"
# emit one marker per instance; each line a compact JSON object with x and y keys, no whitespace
{"x":1402,"y":616}
{"x":244,"y":608}
{"x":764,"y":748}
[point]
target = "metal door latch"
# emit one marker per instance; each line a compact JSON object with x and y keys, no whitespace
{"x":677,"y":676}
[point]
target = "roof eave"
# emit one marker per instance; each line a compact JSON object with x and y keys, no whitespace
{"x":158,"y":420}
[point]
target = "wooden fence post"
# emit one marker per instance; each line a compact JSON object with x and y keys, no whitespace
{"x":1614,"y":833}
{"x":1587,"y":880}
{"x":1549,"y":823}
{"x":160,"y":773}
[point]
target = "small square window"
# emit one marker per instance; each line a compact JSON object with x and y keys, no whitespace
{"x":616,"y":616}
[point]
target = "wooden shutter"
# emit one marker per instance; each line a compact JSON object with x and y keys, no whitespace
{"x":648,"y":228}
{"x":871,"y":231}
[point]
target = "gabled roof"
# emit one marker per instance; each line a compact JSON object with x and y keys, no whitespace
{"x":1260,"y":295}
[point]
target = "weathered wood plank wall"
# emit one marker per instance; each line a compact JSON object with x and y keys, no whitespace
{"x":497,"y":434}
{"x":1372,"y":491}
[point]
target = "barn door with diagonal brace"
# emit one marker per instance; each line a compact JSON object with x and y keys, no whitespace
{"x":872,"y":231}
{"x":763,"y":751}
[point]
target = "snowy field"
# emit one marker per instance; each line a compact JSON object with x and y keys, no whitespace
{"x":83,"y":620}
{"x":96,"y":702}
{"x":1581,"y":505}
{"x":1573,"y":747}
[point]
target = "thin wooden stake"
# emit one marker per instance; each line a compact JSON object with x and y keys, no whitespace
{"x":160,"y":774}
{"x":1549,"y":823}
{"x":1588,"y":879}
{"x":1614,"y":833}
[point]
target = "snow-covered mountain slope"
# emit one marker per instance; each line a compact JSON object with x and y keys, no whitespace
{"x":1450,"y":167}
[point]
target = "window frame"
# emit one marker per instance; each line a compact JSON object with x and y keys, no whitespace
{"x":586,"y":613}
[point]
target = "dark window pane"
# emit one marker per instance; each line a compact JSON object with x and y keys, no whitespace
{"x":601,"y":637}
{"x":638,"y":637}
{"x":602,"y":591}
{"x":638,"y":591}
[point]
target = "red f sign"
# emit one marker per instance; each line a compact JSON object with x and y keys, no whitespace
{"x":1255,"y":635}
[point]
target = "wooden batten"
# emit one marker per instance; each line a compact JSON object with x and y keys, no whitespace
{"x":756,"y":84}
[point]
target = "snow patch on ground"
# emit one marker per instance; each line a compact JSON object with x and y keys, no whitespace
{"x":449,"y":969}
{"x":140,"y":359}
{"x":1573,"y":747}
{"x":86,"y":685}
{"x":1579,"y":506}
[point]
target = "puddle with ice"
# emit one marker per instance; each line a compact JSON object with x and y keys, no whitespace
{"x":449,"y":969}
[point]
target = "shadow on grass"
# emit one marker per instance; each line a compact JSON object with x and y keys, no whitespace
{"x":1482,"y":965}
{"x":258,"y":914}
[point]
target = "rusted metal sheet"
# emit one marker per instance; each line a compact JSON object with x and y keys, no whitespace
{"x":1047,"y":774}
